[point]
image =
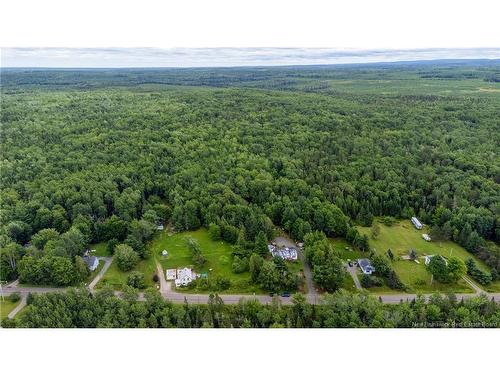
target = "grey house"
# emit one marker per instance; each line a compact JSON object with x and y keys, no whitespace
{"x":91,"y":262}
{"x":366,"y":266}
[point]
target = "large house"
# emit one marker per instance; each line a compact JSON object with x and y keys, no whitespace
{"x":184,"y":276}
{"x":287,"y":253}
{"x":91,"y":262}
{"x":417,"y":223}
{"x":366,"y":266}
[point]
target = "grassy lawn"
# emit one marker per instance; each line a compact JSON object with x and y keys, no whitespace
{"x":6,"y":307}
{"x":100,"y":249}
{"x":217,"y":253}
{"x":116,"y":278}
{"x":418,"y":279}
{"x":403,"y":236}
{"x":345,"y":249}
{"x":492,"y":288}
{"x":348,"y":284}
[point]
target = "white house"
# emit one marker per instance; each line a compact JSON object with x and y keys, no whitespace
{"x":171,"y":274}
{"x":426,"y":237}
{"x":417,"y":223}
{"x":366,"y":266}
{"x":91,"y":262}
{"x":184,"y":276}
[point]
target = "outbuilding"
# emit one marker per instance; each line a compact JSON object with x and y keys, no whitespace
{"x":417,"y":223}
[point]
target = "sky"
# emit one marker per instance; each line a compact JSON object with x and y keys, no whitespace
{"x":145,"y":33}
{"x":217,"y":57}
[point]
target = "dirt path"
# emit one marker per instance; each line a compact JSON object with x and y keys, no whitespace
{"x":477,"y":289}
{"x":19,"y":307}
{"x":354,"y":275}
{"x":107,"y":263}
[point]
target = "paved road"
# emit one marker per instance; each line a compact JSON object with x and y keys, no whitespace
{"x":107,"y":263}
{"x":168,"y":293}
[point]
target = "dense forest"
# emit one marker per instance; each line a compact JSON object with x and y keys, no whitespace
{"x":104,"y":155}
{"x":79,"y":309}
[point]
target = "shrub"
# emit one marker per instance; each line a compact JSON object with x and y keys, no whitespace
{"x":388,"y":220}
{"x":156,"y":278}
{"x":393,"y":281}
{"x":368,"y":281}
{"x":136,"y":280}
{"x":126,"y":257}
{"x":222,"y":283}
{"x":110,"y":246}
{"x":480,"y":276}
{"x":214,"y":232}
{"x":14,"y":297}
{"x":420,"y":282}
{"x":240,"y":265}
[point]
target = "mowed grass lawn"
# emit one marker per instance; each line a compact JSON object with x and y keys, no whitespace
{"x":116,"y":278}
{"x":6,"y":307}
{"x":217,"y":253}
{"x":100,"y":249}
{"x":346,"y":250}
{"x":403,"y":236}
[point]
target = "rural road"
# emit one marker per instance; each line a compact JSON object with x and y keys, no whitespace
{"x":170,"y":294}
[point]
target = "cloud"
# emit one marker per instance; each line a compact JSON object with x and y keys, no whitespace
{"x":216,"y":57}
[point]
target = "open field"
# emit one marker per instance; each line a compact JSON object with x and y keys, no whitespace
{"x":217,"y":253}
{"x":116,"y":278}
{"x":403,"y":236}
{"x":6,"y":307}
{"x":100,"y":249}
{"x":346,"y":250}
{"x":400,"y":238}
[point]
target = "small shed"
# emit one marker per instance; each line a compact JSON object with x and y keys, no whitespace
{"x":171,"y":274}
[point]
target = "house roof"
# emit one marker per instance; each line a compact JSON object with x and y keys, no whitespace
{"x":90,"y":260}
{"x":365,"y":264}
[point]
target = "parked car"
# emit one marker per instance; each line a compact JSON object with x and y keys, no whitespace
{"x":350,"y":264}
{"x":285,"y":294}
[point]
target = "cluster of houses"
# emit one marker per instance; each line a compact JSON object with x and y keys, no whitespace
{"x":285,"y":253}
{"x":182,"y":276}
